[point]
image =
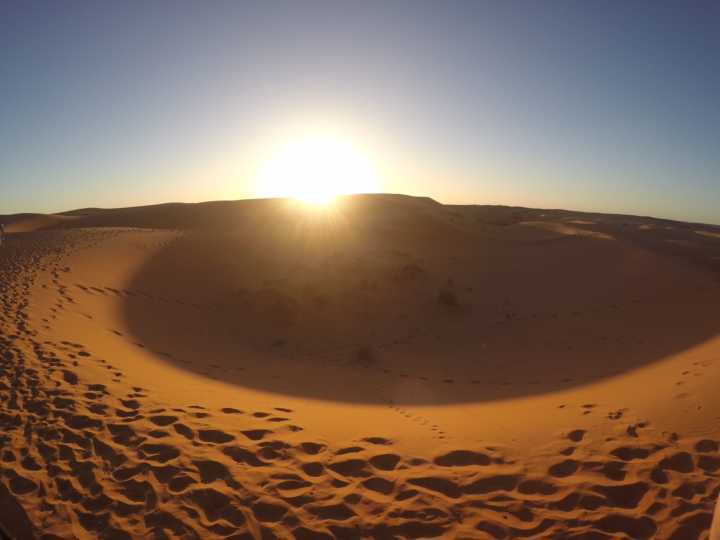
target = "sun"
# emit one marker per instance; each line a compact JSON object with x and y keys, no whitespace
{"x":316,"y":169}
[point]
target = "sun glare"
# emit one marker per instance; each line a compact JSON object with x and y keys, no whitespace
{"x":317,"y":169}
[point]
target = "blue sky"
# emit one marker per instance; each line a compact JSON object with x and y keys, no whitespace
{"x":604,"y":106}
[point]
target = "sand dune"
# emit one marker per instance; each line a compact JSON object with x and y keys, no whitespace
{"x":394,"y":368}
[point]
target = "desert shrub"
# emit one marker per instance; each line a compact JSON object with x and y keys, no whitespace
{"x":408,"y":272}
{"x":446,"y":297}
{"x":365,"y":355}
{"x":276,"y":307}
{"x":321,"y":301}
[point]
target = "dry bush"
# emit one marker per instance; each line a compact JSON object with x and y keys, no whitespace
{"x":447,"y":298}
{"x":365,"y":355}
{"x":408,"y":272}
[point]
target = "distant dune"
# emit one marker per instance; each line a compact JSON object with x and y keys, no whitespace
{"x":389,"y":368}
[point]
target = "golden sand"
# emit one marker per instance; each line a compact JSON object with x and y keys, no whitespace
{"x":393,"y":368}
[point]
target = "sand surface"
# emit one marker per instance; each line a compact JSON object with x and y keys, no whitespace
{"x":390,"y":368}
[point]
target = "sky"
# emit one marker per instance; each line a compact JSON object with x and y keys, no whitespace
{"x":600,"y":106}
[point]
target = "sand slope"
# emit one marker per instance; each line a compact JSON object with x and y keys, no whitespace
{"x":393,"y":369}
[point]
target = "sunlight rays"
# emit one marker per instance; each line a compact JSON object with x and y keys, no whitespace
{"x":316,"y":169}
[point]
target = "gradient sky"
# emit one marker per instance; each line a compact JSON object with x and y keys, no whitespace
{"x":606,"y":106}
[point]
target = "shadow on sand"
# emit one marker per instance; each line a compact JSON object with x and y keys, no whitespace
{"x":418,"y":303}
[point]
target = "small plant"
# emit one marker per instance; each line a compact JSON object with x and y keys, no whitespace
{"x":408,"y":272}
{"x":364,"y":355}
{"x":446,"y":297}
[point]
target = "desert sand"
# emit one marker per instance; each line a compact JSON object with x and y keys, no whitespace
{"x":387,"y":368}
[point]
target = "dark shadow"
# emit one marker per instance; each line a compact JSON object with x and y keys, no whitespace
{"x":14,"y":522}
{"x":396,"y":299}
